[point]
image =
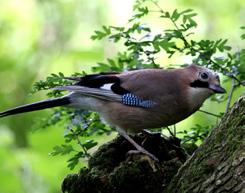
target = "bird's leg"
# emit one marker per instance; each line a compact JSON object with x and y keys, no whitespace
{"x":137,"y":146}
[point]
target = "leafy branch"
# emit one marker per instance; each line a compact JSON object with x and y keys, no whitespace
{"x":79,"y":126}
{"x":141,"y":47}
{"x":203,"y":52}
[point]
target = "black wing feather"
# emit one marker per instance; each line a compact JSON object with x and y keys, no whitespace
{"x":98,"y":80}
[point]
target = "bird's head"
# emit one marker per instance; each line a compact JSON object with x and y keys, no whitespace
{"x":203,"y":82}
{"x":204,"y":78}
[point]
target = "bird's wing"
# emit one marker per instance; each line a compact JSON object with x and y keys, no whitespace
{"x":148,"y":84}
{"x":93,"y":92}
{"x":138,"y":82}
{"x":105,"y":81}
{"x":109,"y":87}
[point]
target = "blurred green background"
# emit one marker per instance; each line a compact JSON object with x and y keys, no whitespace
{"x":40,"y":37}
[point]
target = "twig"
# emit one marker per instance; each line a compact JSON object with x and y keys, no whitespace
{"x":174,"y":130}
{"x":230,"y":95}
{"x":158,"y":6}
{"x":239,"y":81}
{"x":225,"y":72}
{"x":169,"y":130}
{"x":80,"y":143}
{"x":209,"y":113}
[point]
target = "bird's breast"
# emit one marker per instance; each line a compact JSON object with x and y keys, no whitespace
{"x":134,"y":119}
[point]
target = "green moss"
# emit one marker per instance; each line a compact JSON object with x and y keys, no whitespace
{"x":222,"y":144}
{"x":112,"y":170}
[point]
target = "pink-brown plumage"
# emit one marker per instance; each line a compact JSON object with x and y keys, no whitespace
{"x":175,"y":95}
{"x":167,"y":88}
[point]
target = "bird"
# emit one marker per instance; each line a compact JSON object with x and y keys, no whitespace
{"x":135,"y":100}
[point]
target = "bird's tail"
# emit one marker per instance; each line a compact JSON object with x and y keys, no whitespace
{"x":37,"y":106}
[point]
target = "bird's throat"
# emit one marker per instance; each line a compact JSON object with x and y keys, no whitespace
{"x":196,"y":96}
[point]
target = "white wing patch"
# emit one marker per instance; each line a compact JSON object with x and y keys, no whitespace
{"x":106,"y":86}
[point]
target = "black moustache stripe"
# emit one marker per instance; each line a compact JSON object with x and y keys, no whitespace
{"x":199,"y":84}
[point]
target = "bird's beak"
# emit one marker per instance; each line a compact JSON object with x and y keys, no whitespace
{"x":217,"y":88}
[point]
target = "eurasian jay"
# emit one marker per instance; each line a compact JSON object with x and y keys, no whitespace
{"x":136,"y":100}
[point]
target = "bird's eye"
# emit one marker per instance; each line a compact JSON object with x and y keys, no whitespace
{"x":204,"y":75}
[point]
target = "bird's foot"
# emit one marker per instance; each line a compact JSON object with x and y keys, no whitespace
{"x":143,"y":151}
{"x":136,"y":145}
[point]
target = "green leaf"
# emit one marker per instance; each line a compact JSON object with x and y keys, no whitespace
{"x":142,"y":12}
{"x":186,"y":11}
{"x":120,"y":29}
{"x":175,"y":16}
{"x":165,"y":15}
{"x":243,"y":36}
{"x":116,"y":37}
{"x":221,"y":45}
{"x":72,"y":162}
{"x":166,"y":45}
{"x":188,"y":18}
{"x":106,"y":31}
{"x":62,"y":150}
{"x":88,"y":144}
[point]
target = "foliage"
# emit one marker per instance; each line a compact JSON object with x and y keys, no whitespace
{"x":195,"y":134}
{"x":79,"y":126}
{"x":140,"y":49}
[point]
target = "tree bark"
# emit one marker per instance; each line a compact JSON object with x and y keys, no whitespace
{"x":217,"y":166}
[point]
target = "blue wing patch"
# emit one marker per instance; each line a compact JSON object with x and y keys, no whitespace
{"x":132,"y":100}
